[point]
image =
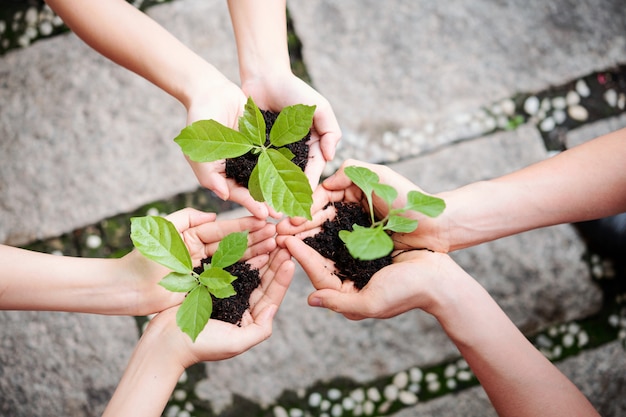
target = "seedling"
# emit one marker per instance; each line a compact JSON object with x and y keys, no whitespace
{"x":368,"y":243}
{"x":275,"y":179}
{"x":157,"y":239}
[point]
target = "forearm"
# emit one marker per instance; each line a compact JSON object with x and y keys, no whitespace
{"x":149,"y":378}
{"x":133,"y":40}
{"x":518,"y":379}
{"x":583,"y":183}
{"x":37,"y":281}
{"x":261,"y":34}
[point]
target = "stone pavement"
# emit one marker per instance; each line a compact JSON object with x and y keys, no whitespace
{"x":428,"y":88}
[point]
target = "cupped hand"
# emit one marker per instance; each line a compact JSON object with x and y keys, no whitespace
{"x":221,"y":340}
{"x":223,"y":102}
{"x":278,"y":90}
{"x":415,"y":279}
{"x":201,"y":234}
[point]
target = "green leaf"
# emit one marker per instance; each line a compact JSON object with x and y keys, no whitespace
{"x":208,"y":141}
{"x":386,"y":192}
{"x":230,"y":249}
{"x":292,"y":124}
{"x":157,"y":239}
{"x":363,"y":178}
{"x":366,"y":243}
{"x":400,"y":224}
{"x":176,"y":282}
{"x":252,"y":123}
{"x":284,"y":185}
{"x":254,"y":185}
{"x":425,"y":204}
{"x":218,"y":282}
{"x":195,"y":311}
{"x":286,"y":153}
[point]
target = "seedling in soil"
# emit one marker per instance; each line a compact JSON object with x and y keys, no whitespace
{"x":275,"y":179}
{"x":157,"y":239}
{"x":368,"y":243}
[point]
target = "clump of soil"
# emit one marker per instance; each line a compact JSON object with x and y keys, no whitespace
{"x":330,"y":246}
{"x":231,"y":309}
{"x":241,"y":167}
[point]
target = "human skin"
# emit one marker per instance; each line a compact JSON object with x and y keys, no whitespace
{"x":518,"y":379}
{"x":31,"y":280}
{"x":164,"y":351}
{"x":130,"y":38}
{"x":583,"y":183}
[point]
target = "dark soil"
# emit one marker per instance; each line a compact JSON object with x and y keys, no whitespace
{"x":231,"y":309}
{"x":241,"y":167}
{"x":330,"y":246}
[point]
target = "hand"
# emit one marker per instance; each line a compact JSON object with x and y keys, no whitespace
{"x":339,"y":188}
{"x":220,"y":340}
{"x":278,"y":90}
{"x":201,"y":234}
{"x":412,"y":281}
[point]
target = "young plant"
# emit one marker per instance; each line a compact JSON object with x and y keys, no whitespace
{"x":157,"y":239}
{"x":275,"y":179}
{"x":368,"y":243}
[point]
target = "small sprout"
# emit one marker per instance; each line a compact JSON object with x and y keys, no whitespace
{"x":275,"y":179}
{"x":368,"y":243}
{"x":157,"y":239}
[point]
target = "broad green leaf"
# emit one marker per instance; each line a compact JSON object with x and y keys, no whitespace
{"x":157,"y":239}
{"x":230,"y":249}
{"x":386,"y":192}
{"x":400,"y":224}
{"x":286,"y":153}
{"x":176,"y":282}
{"x":254,"y":185}
{"x":363,"y":178}
{"x":218,"y":282}
{"x":426,"y":204}
{"x":284,"y":185}
{"x":366,"y":243}
{"x":292,"y":124}
{"x":252,"y":123}
{"x":195,"y":311}
{"x":208,"y":141}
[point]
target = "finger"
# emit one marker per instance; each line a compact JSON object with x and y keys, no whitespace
{"x":211,"y":175}
{"x":276,"y":277}
{"x":326,"y":125}
{"x":351,"y":304}
{"x":315,"y":164}
{"x":241,"y":195}
{"x":288,"y":227}
{"x":321,"y":271}
{"x":189,"y":217}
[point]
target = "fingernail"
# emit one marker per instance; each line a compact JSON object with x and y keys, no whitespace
{"x":315,"y":302}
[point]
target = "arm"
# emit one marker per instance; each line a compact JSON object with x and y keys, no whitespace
{"x":126,"y":286}
{"x":164,"y":352}
{"x":518,"y":379}
{"x":265,"y":70}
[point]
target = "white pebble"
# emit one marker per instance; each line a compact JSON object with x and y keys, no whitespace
{"x":559,"y":103}
{"x":373,"y":394}
{"x":464,"y":375}
{"x":358,"y":395}
{"x":531,"y":105}
{"x":431,"y":376}
{"x":508,"y":107}
{"x":401,"y":380}
{"x":434,"y":386}
{"x":568,"y":340}
{"x":462,"y":364}
{"x":93,"y":241}
{"x":451,"y":383}
{"x":189,"y":406}
{"x":315,"y":399}
{"x":391,"y":392}
{"x":180,"y":395}
{"x":449,"y":371}
{"x":578,"y":113}
{"x":621,"y":101}
{"x":384,"y":407}
{"x":583,"y":339}
{"x":368,"y":408}
{"x":325,"y":405}
{"x":347,"y":403}
{"x":573,"y":328}
{"x":336,"y":411}
{"x":582,"y":88}
{"x":557,"y":351}
{"x":280,"y":412}
{"x":3,"y":26}
{"x":546,"y":104}
{"x":414,"y":388}
{"x":184,"y":413}
{"x":572,"y":98}
{"x":334,"y":394}
{"x":614,"y":320}
{"x":172,"y":411}
{"x":296,"y":412}
{"x":559,"y":116}
{"x":610,"y":96}
{"x":31,"y":16}
{"x":407,"y":398}
{"x":548,"y":124}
